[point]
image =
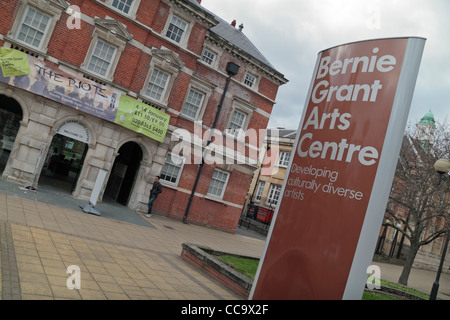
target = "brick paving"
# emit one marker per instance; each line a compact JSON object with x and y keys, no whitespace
{"x":121,"y":255}
{"x":117,"y":260}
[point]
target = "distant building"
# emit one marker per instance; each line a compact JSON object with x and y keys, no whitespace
{"x":62,"y":125}
{"x":265,"y":190}
{"x":426,"y":127}
{"x":391,"y":242}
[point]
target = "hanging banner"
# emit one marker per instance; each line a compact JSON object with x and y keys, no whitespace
{"x":325,"y":228}
{"x":142,"y":118}
{"x":13,"y":62}
{"x":34,"y":75}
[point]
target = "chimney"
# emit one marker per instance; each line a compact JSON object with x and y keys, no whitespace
{"x":199,"y":1}
{"x":233,"y":23}
{"x":241,"y":26}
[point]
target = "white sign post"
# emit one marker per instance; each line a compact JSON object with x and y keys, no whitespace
{"x":325,"y":229}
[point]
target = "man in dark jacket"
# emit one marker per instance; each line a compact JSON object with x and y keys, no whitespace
{"x":157,"y":189}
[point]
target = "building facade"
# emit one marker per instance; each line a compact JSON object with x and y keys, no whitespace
{"x":265,"y":189}
{"x":417,"y":152}
{"x":169,"y":57}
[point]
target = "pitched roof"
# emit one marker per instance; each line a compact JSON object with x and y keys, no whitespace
{"x":239,"y":39}
{"x":235,"y":36}
{"x":282,"y":133}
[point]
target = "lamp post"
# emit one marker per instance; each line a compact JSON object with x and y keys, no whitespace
{"x":232,"y":70}
{"x":441,"y":166}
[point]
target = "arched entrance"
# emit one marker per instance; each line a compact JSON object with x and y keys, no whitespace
{"x":66,"y":156}
{"x":124,"y":172}
{"x":10,"y":116}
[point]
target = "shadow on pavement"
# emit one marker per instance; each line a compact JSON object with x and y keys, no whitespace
{"x":55,"y":193}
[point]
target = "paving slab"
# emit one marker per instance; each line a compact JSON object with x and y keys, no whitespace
{"x":121,"y":254}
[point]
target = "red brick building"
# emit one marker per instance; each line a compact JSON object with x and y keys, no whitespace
{"x":168,"y":54}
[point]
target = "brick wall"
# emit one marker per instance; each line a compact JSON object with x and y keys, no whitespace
{"x":72,"y":45}
{"x":216,"y":271}
{"x":204,"y":211}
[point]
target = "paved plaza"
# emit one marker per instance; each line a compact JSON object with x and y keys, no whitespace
{"x":117,"y":259}
{"x":120,"y":254}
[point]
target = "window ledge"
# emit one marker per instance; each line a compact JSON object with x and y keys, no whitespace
{"x":214,"y":198}
{"x":169,"y":185}
{"x":14,"y":44}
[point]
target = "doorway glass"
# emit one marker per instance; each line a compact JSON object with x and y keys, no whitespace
{"x":124,"y":172}
{"x":63,"y":164}
{"x":10,"y":117}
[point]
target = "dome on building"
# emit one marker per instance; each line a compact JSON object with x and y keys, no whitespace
{"x":427,"y":119}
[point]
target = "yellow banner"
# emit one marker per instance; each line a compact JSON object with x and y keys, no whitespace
{"x":14,"y":62}
{"x":142,"y":118}
{"x":31,"y":74}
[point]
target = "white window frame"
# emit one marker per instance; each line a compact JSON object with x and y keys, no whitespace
{"x":240,"y":127}
{"x":150,"y":83}
{"x":110,"y":62}
{"x":22,"y":25}
{"x":104,"y":33}
{"x":203,"y":87}
{"x":167,"y":61}
{"x":250,"y":80}
{"x":244,"y":107}
{"x":133,"y":8}
{"x":54,"y":9}
{"x":207,"y":59}
{"x":259,"y":191}
{"x":284,"y":158}
{"x":186,"y":33}
{"x":274,"y":189}
{"x":188,"y":101}
{"x":175,"y":21}
{"x":225,"y":183}
{"x":177,"y":162}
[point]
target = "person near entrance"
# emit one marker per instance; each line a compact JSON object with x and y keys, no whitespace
{"x":157,"y":189}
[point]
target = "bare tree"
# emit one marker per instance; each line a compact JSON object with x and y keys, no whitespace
{"x":418,"y":207}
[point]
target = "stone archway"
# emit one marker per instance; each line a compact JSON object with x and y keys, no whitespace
{"x":124,"y":172}
{"x":66,"y":155}
{"x":11,"y":115}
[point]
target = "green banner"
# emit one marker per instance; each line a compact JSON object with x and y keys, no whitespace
{"x":31,"y":74}
{"x":14,"y":62}
{"x":142,"y":118}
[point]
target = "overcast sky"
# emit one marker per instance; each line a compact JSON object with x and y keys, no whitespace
{"x":290,"y":34}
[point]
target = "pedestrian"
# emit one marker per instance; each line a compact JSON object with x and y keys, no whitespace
{"x":157,"y":189}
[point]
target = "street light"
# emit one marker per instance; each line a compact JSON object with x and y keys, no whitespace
{"x":232,"y":70}
{"x":442,"y":166}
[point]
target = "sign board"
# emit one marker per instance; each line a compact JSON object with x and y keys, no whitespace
{"x":142,"y":118}
{"x":34,"y":75}
{"x":101,"y":176}
{"x":326,"y":226}
{"x":13,"y":62}
{"x":76,"y":130}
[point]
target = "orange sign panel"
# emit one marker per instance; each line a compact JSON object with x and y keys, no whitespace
{"x":337,"y":157}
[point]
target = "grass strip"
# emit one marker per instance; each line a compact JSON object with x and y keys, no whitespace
{"x":245,"y":266}
{"x":248,"y":268}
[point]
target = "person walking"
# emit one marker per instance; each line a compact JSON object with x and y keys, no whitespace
{"x":157,"y":189}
